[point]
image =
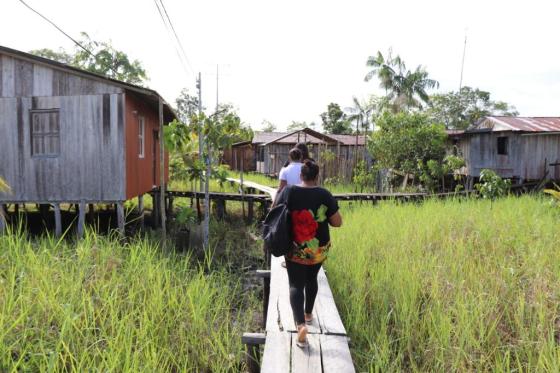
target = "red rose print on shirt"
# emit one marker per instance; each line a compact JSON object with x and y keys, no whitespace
{"x":304,"y":226}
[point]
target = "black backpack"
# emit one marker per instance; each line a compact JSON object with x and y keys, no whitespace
{"x":277,"y":228}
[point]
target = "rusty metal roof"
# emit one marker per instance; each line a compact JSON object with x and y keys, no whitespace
{"x":522,"y":124}
{"x":312,"y":137}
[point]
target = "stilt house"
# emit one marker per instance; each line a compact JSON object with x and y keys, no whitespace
{"x":267,"y":152}
{"x":71,"y":136}
{"x":520,"y":148}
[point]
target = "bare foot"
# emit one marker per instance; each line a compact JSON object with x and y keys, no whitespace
{"x":308,"y":318}
{"x":302,"y":336}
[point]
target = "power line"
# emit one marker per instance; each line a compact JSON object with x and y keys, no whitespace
{"x":58,"y":28}
{"x":176,"y":36}
{"x":65,"y":34}
{"x":182,"y":58}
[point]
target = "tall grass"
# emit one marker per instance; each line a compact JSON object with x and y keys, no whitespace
{"x":101,"y":305}
{"x":450,"y":286}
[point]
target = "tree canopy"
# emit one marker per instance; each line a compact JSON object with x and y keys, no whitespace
{"x":404,"y":89}
{"x":335,"y":121}
{"x":186,"y":105}
{"x":268,"y":126}
{"x":459,"y":110}
{"x":405,"y":139}
{"x":104,"y":59}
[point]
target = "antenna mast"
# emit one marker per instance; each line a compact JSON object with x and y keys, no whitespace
{"x":463,"y":61}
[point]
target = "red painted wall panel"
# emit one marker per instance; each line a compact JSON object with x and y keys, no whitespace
{"x":140,"y":173}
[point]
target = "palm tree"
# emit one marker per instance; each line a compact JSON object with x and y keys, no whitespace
{"x":404,"y":89}
{"x":359,"y":113}
{"x":385,"y":69}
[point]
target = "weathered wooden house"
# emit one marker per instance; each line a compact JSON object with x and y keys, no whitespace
{"x":71,"y":136}
{"x":520,"y":148}
{"x":267,"y":152}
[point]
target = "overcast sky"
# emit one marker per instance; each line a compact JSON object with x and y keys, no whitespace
{"x":286,"y":60}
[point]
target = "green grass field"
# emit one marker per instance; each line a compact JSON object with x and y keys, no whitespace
{"x":461,"y":285}
{"x":103,"y":305}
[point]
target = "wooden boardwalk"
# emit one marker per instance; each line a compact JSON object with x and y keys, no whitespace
{"x":328,"y":344}
{"x":327,"y":350}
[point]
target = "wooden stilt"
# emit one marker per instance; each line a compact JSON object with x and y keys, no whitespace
{"x":169,"y":206}
{"x":199,"y":214}
{"x":155,"y":210}
{"x":3,"y":218}
{"x":220,"y":208}
{"x":81,"y":218}
{"x":57,"y":221}
{"x":16,"y":208}
{"x":141,"y":210}
{"x":120,"y":217}
{"x":253,"y":341}
{"x":250,"y":210}
{"x":91,"y":212}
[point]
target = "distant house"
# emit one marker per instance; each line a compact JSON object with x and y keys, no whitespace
{"x":520,"y":148}
{"x":267,"y":152}
{"x":71,"y":136}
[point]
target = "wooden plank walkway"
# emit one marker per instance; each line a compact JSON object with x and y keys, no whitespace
{"x":219,"y":196}
{"x":328,"y":349}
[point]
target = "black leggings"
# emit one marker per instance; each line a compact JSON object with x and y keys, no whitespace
{"x":302,"y":277}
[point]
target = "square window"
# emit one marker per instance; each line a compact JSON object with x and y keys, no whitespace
{"x":141,"y":124}
{"x":503,"y":145}
{"x":45,"y":133}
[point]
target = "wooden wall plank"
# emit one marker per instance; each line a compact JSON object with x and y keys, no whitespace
{"x":42,"y":81}
{"x":23,"y":78}
{"x":8,"y":145}
{"x":8,"y":88}
{"x":79,"y":173}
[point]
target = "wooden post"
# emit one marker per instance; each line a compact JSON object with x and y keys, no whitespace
{"x":16,"y":209}
{"x":155,"y":210}
{"x":3,"y":218}
{"x":253,"y":342}
{"x":169,"y":206}
{"x":141,"y":210}
{"x":81,"y":218}
{"x":120,"y":217}
{"x":91,"y":212}
{"x":57,"y":221}
{"x":250,"y":209}
{"x":220,"y":208}
{"x":162,"y":172}
{"x":198,"y":213}
{"x":265,"y":275}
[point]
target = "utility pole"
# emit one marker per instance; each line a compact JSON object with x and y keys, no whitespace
{"x":200,"y":145}
{"x":217,"y":86}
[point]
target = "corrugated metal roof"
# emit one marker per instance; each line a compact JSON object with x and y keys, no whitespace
{"x":261,"y":137}
{"x":350,"y":139}
{"x":523,"y":124}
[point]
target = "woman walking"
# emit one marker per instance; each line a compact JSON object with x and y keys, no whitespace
{"x":289,"y":175}
{"x":312,"y":209}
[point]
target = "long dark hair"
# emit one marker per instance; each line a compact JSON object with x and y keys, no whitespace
{"x":309,"y":170}
{"x":303,"y":149}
